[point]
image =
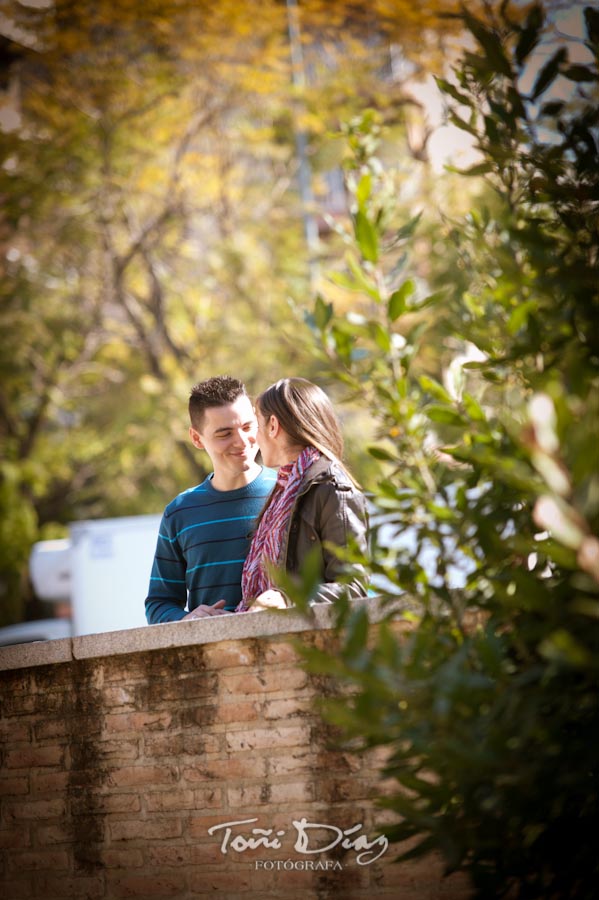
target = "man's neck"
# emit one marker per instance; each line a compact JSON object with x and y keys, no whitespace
{"x":222,"y":481}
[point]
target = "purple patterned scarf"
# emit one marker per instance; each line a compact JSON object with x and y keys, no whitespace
{"x":266,"y":543}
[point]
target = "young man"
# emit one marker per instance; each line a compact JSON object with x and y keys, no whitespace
{"x":203,"y":538}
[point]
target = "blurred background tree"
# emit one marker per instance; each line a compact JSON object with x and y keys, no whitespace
{"x":486,"y":489}
{"x":153,"y":229}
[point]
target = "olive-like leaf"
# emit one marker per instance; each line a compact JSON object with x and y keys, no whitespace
{"x":530,"y":35}
{"x":549,"y":72}
{"x":366,"y":237}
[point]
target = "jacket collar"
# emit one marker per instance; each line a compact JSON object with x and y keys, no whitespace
{"x":324,"y":470}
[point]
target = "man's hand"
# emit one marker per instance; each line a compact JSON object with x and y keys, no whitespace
{"x":202,"y":611}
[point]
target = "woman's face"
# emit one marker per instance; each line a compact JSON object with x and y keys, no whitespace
{"x":274,"y":442}
{"x":266,"y":442}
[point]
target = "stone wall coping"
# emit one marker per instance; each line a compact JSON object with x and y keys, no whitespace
{"x":209,"y":630}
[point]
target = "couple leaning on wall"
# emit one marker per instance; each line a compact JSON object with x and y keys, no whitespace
{"x":219,"y":541}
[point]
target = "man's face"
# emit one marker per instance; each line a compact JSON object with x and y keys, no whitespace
{"x":228,"y":435}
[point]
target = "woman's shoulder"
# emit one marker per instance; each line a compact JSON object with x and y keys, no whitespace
{"x":330,"y":471}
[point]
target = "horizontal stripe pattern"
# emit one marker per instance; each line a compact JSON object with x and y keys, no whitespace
{"x":202,"y":544}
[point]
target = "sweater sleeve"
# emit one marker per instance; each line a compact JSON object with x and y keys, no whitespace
{"x":167,"y":593}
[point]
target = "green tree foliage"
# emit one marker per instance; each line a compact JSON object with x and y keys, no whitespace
{"x":487,"y":492}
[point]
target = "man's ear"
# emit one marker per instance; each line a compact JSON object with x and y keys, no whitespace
{"x":196,"y":440}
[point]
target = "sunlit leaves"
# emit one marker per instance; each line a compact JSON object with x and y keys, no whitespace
{"x":592,"y":25}
{"x":366,"y":237}
{"x":530,"y":34}
{"x":549,"y":72}
{"x":485,"y":498}
{"x":398,"y":300}
{"x":491,"y":44}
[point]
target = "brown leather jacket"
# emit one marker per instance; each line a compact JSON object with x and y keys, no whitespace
{"x":328,"y":508}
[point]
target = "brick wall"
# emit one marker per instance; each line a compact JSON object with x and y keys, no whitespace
{"x":127,"y":756}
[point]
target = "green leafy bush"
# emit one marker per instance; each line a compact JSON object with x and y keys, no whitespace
{"x":487,"y":494}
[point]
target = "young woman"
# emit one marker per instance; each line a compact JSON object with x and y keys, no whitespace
{"x":315,"y":502}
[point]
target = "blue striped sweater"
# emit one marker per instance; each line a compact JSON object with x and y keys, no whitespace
{"x":202,"y":544}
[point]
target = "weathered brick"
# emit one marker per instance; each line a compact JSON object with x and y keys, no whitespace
{"x":385,"y":817}
{"x":420,"y":871}
{"x":61,"y":886}
{"x":178,"y":855}
{"x":202,"y":852}
{"x":199,"y":824}
{"x":36,"y":809}
{"x":130,"y":776}
{"x":13,"y":731}
{"x":280,"y":652}
{"x":265,"y":793}
{"x":43,"y":782}
{"x":52,"y":834}
{"x":289,"y":707}
{"x":163,"y":745}
{"x":137,"y":721}
{"x":247,"y":801}
{"x":160,"y":801}
{"x":13,"y":838}
{"x":11,"y":785}
{"x":158,"y":885}
{"x":18,"y":888}
{"x":31,"y":757}
{"x":237,"y":883}
{"x":377,"y":757}
{"x":286,"y":764}
{"x":390,"y":890}
{"x":60,"y":701}
{"x":200,"y":716}
{"x":54,"y":860}
{"x":264,"y":681}
{"x":129,"y":858}
{"x":119,"y":749}
{"x":337,"y":764}
{"x":399,"y":875}
{"x":226,"y":769}
{"x":155,"y":830}
{"x":132,"y":670}
{"x":120,"y":696}
{"x":190,"y":687}
{"x":103,"y":804}
{"x":454,"y":887}
{"x":85,"y":726}
{"x":54,"y":727}
{"x":282,"y":820}
{"x":229,"y":654}
{"x":338,"y":790}
{"x":240,"y":684}
{"x":85,"y":778}
{"x":268,"y":738}
{"x":239,"y":711}
{"x":15,"y":705}
{"x":180,"y":744}
{"x":349,"y":881}
{"x":286,"y":680}
{"x":208,"y":798}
